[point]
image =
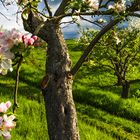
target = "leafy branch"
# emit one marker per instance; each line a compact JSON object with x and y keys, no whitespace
{"x":92,"y":45}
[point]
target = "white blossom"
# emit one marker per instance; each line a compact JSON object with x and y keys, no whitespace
{"x":118,"y":7}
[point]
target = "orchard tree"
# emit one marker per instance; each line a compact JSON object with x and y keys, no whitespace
{"x":118,"y":51}
{"x":57,"y":83}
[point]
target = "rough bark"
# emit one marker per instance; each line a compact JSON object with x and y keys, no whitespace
{"x":60,"y":108}
{"x":57,"y":84}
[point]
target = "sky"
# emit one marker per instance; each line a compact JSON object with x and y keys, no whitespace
{"x":12,"y":20}
{"x":69,"y":30}
{"x":10,"y":13}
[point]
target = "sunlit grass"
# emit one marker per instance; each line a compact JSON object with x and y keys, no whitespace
{"x":113,"y":125}
{"x":102,"y":114}
{"x":88,"y":132}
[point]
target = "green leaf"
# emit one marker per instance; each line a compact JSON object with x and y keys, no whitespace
{"x":25,"y":13}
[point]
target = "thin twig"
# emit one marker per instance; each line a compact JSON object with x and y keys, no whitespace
{"x":92,"y":22}
{"x":17,"y":83}
{"x":39,"y":12}
{"x":48,"y":8}
{"x":3,"y":4}
{"x":4,"y":16}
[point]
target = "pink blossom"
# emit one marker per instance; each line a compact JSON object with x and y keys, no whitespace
{"x":3,"y":108}
{"x":16,"y":36}
{"x":31,"y":41}
{"x":1,"y":118}
{"x":9,"y":125}
{"x":6,"y":135}
{"x":34,"y":37}
{"x":5,"y":53}
{"x":1,"y":34}
{"x":8,"y":122}
{"x":25,"y":39}
{"x":9,"y":38}
{"x":6,"y":62}
{"x":19,"y":38}
{"x":1,"y":122}
{"x":8,"y":104}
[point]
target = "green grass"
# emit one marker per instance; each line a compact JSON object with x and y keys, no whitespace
{"x":31,"y":124}
{"x":129,"y":108}
{"x":113,"y":125}
{"x":88,"y":132}
{"x":102,"y":114}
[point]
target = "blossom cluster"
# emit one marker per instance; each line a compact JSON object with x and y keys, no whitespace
{"x":118,"y":7}
{"x":116,"y":38}
{"x":93,"y":4}
{"x":28,"y":40}
{"x":8,"y":39}
{"x":7,"y":122}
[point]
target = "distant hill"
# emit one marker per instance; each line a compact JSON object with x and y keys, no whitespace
{"x":70,"y":35}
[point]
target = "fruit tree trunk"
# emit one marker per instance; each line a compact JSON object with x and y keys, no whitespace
{"x":57,"y":90}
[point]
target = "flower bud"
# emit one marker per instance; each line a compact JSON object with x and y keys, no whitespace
{"x":3,"y":108}
{"x":8,"y":104}
{"x":34,"y":37}
{"x":30,"y":41}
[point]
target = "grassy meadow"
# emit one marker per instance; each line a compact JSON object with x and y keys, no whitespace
{"x":102,"y":114}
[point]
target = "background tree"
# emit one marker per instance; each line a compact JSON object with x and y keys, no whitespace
{"x":119,"y":51}
{"x":57,"y":83}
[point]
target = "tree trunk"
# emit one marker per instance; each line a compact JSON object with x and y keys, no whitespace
{"x":125,"y":89}
{"x":118,"y":74}
{"x":60,"y":108}
{"x":119,"y":80}
{"x":57,"y":84}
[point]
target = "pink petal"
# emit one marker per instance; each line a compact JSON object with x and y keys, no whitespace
{"x":30,"y":41}
{"x":8,"y":104}
{"x":11,"y":117}
{"x":1,"y":34}
{"x":6,"y":135}
{"x":34,"y":37}
{"x":3,"y":107}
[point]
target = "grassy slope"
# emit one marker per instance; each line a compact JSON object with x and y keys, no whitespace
{"x":102,"y":114}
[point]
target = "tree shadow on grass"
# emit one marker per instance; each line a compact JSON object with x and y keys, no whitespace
{"x":28,"y":92}
{"x":96,"y":85}
{"x":30,"y":78}
{"x":108,"y":102}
